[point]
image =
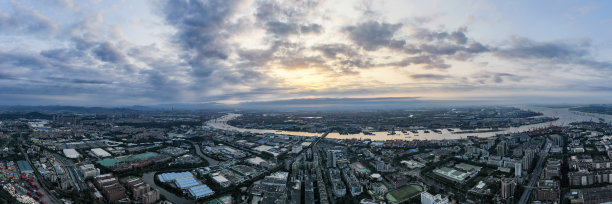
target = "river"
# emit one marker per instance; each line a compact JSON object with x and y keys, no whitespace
{"x":565,"y":117}
{"x":211,"y":161}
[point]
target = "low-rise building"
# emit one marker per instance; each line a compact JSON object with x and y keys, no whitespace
{"x":100,"y":153}
{"x":428,"y":198}
{"x":89,"y":171}
{"x":71,"y":153}
{"x":547,"y":191}
{"x":110,"y":187}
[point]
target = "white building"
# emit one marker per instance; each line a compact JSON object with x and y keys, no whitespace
{"x":257,"y":161}
{"x":296,"y":149}
{"x":518,"y":170}
{"x":221,"y":180}
{"x":71,"y":153}
{"x":427,"y":198}
{"x":411,"y":164}
{"x":100,"y":153}
{"x":89,"y":171}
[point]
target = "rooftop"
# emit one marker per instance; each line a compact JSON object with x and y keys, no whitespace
{"x":200,"y":191}
{"x":169,"y":177}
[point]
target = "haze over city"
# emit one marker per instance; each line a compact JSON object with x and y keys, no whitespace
{"x":117,"y":53}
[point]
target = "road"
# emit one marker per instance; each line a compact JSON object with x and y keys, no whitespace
{"x":532,"y":180}
{"x":320,"y":138}
{"x":39,"y":178}
{"x":77,"y":181}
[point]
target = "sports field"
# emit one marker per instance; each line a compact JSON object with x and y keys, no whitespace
{"x":404,"y":193}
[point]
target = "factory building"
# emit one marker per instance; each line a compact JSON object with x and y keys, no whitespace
{"x":71,"y":153}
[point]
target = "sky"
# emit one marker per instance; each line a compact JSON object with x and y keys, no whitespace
{"x":142,"y":52}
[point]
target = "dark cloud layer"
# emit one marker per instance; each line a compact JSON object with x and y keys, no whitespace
{"x":557,"y":51}
{"x":201,"y":33}
{"x":373,"y":35}
{"x":525,"y":48}
{"x":25,"y":21}
{"x":108,"y":53}
{"x":201,"y":60}
{"x":429,"y":76}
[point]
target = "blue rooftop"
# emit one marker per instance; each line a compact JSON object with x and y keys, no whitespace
{"x":186,"y":183}
{"x":170,"y":177}
{"x":25,"y":167}
{"x":200,"y":191}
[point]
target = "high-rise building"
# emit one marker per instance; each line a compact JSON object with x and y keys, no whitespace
{"x":518,"y":169}
{"x":332,"y":158}
{"x":528,"y":159}
{"x":508,"y":186}
{"x":502,"y":148}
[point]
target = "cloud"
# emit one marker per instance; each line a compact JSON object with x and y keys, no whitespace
{"x":423,"y":47}
{"x":78,"y":81}
{"x":554,"y":51}
{"x":495,"y":77}
{"x":25,"y":21}
{"x":65,"y":55}
{"x":282,"y":29}
{"x":108,"y":53}
{"x":5,"y":77}
{"x":332,"y":50}
{"x":312,"y":28}
{"x":430,"y":61}
{"x":201,"y":31}
{"x":429,"y":76}
{"x":526,"y":48}
{"x":373,"y":35}
{"x":209,"y":50}
{"x":19,"y":60}
{"x":457,"y":37}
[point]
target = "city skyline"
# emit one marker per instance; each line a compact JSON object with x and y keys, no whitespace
{"x":114,"y":53}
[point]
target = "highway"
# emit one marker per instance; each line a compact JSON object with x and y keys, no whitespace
{"x":533,"y":179}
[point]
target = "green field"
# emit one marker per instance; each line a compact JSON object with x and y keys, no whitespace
{"x":404,"y":193}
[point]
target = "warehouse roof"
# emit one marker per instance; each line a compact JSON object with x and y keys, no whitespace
{"x":71,"y":153}
{"x":100,"y":152}
{"x":186,"y":183}
{"x":200,"y":191}
{"x":169,"y":177}
{"x":25,"y":167}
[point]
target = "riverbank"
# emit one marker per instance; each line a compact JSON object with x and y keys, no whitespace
{"x":565,"y":117}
